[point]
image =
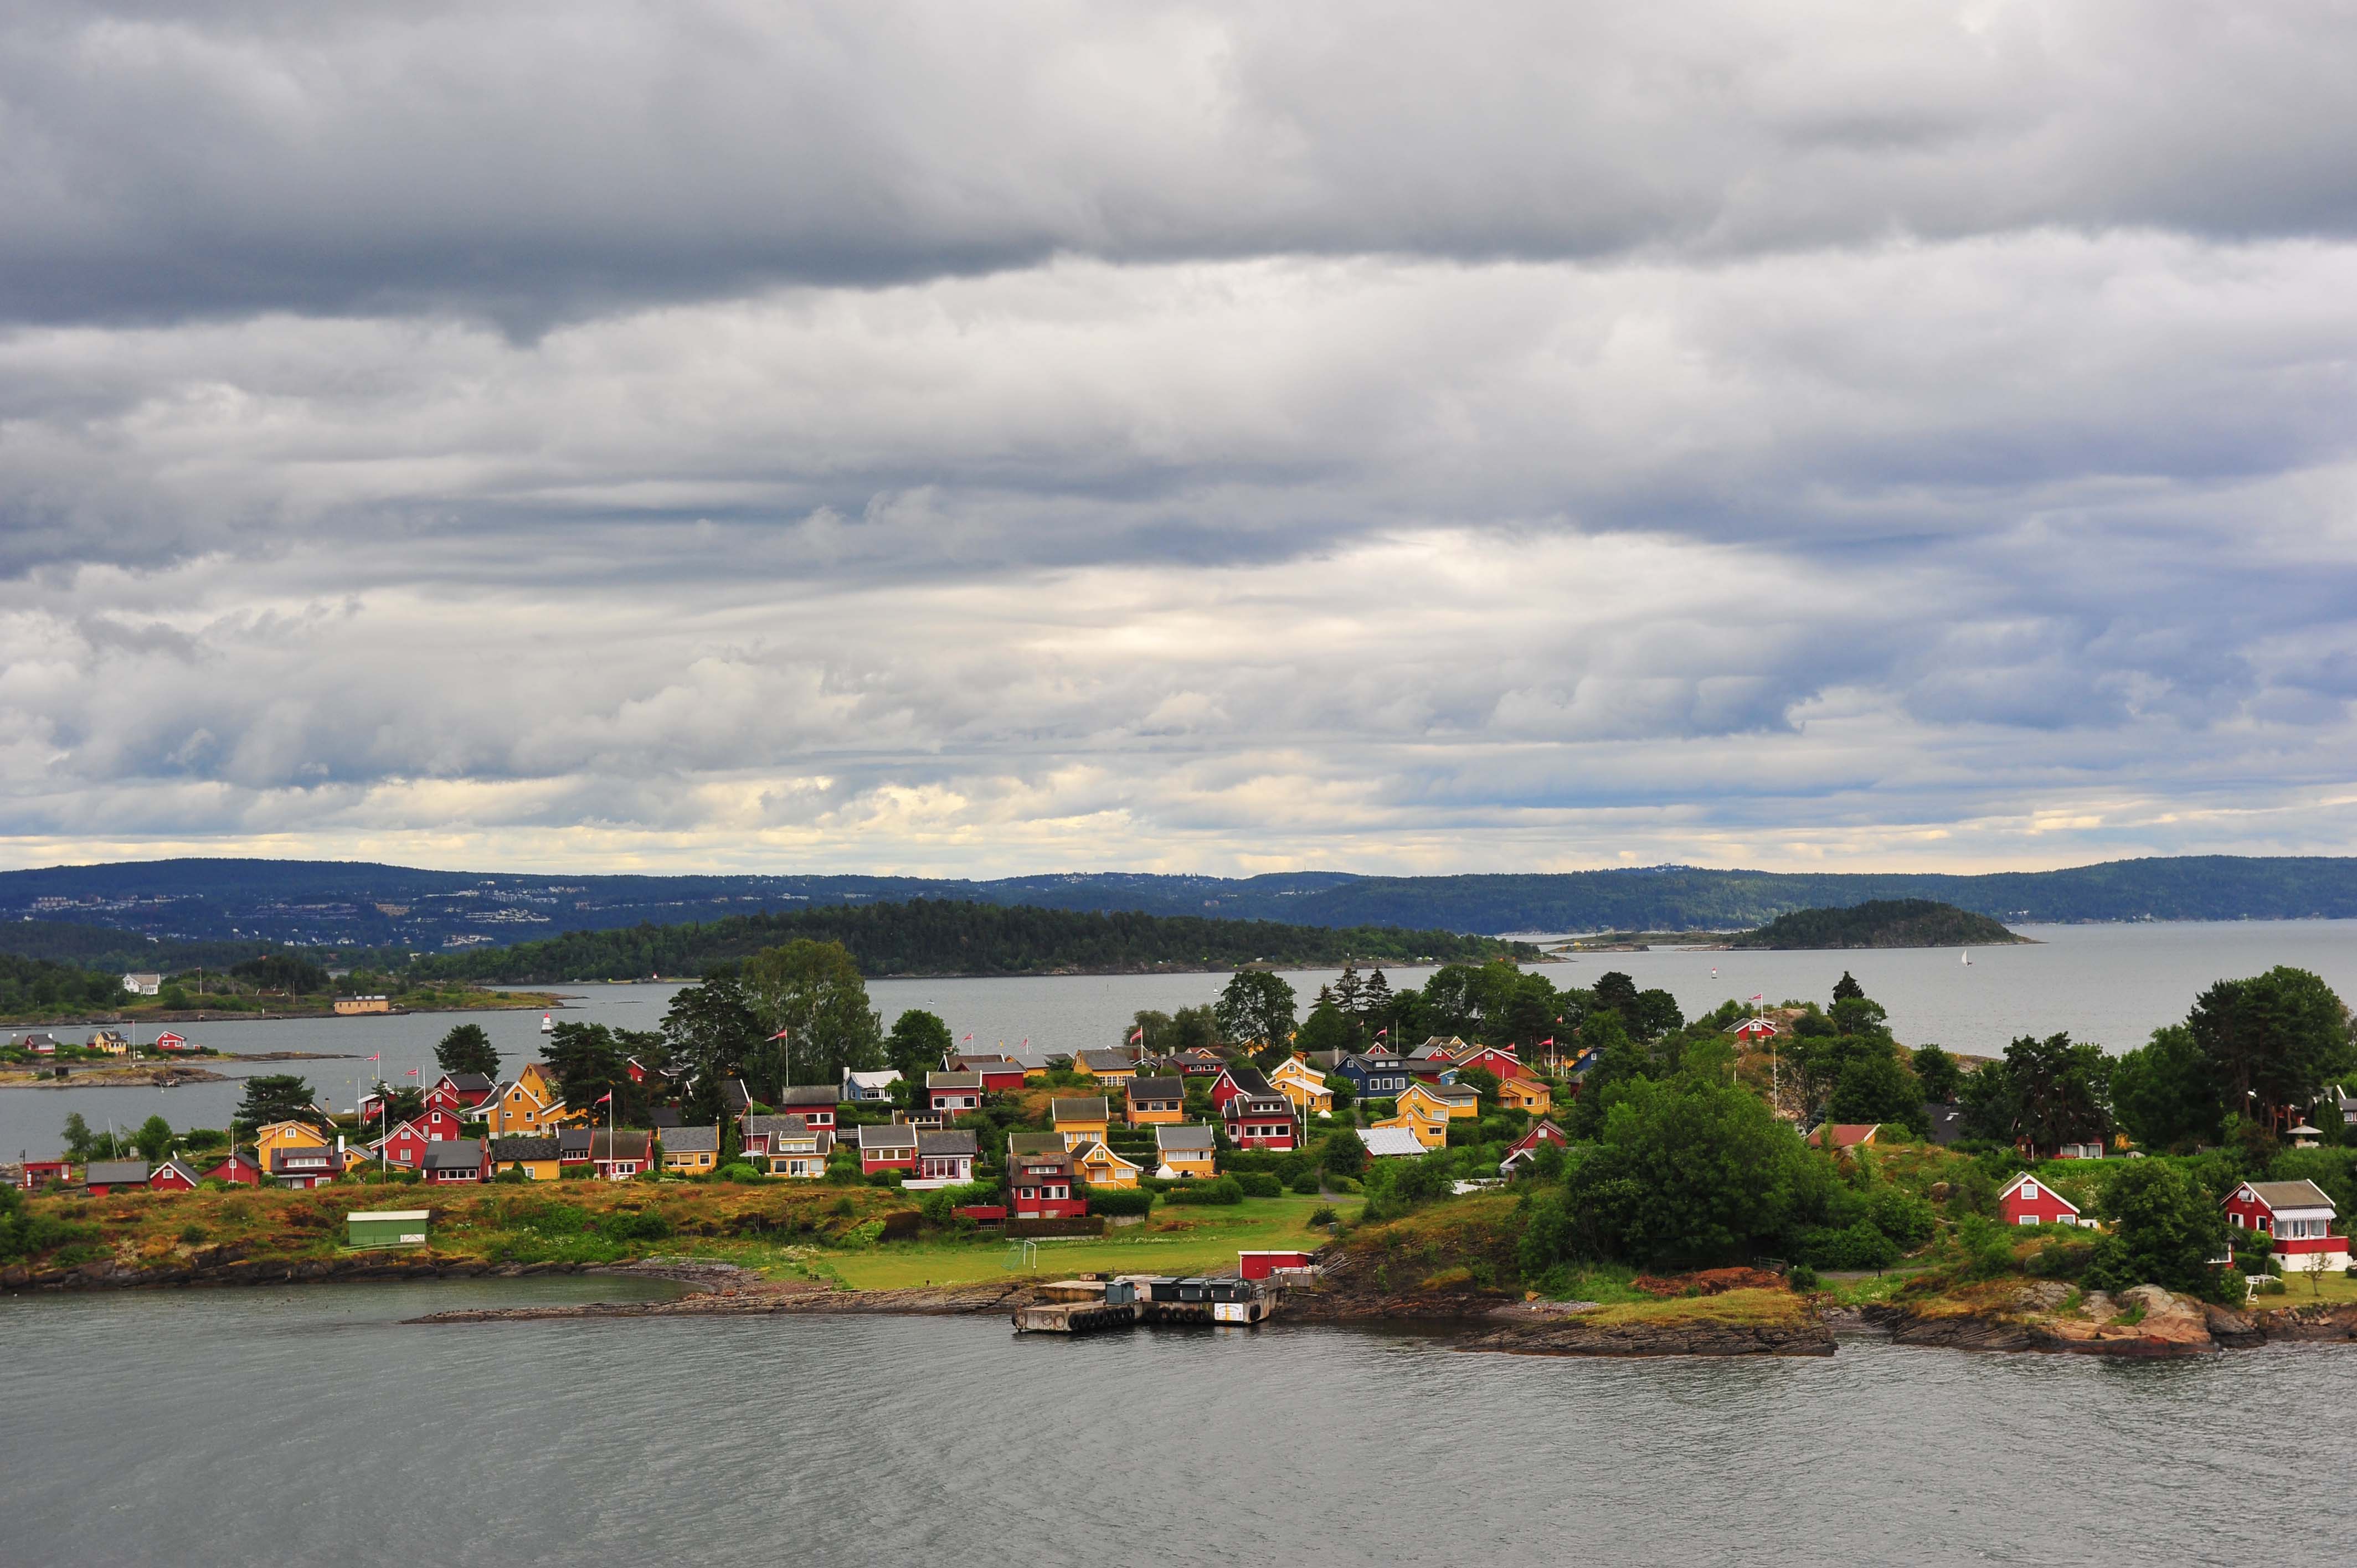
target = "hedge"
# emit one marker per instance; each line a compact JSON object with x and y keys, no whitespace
{"x":1219,"y":1189}
{"x":1120,"y":1200}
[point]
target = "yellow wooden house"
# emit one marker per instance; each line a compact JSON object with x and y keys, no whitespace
{"x":529,"y":1106}
{"x":1447,"y":1101}
{"x":285,"y":1135}
{"x":1187,"y":1150}
{"x":1431,"y":1131}
{"x":1153,"y":1101}
{"x":1079,"y":1122}
{"x":1302,"y":1084}
{"x":1520,"y":1093}
{"x":1105,"y":1067}
{"x":1100,"y":1166}
{"x":536,"y":1158}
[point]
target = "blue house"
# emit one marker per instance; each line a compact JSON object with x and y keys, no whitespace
{"x":1376,"y":1076}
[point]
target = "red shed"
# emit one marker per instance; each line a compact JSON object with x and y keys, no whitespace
{"x":1260,"y":1265}
{"x":2029,"y":1201}
{"x":38,"y":1172}
{"x":172,"y":1175}
{"x":238,"y":1170}
{"x":168,"y":1041}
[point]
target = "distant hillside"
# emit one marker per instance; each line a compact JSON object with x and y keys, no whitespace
{"x":939,"y":936}
{"x":359,"y":906}
{"x":106,"y":948}
{"x":1879,"y":923}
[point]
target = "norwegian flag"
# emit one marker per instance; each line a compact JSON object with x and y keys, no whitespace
{"x":604,"y":1099}
{"x":1138,"y":1039}
{"x":1763,"y":997}
{"x":372,"y":1059}
{"x":1548,"y":1041}
{"x":780,"y":1034}
{"x":411,"y":1073}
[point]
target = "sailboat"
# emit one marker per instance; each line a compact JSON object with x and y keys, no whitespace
{"x":1968,"y":955}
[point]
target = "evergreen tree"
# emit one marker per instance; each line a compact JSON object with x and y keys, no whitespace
{"x":1349,"y":992}
{"x":467,"y":1048}
{"x":1847,"y":989}
{"x":277,"y":1097}
{"x":1375,"y":1001}
{"x":76,"y":1136}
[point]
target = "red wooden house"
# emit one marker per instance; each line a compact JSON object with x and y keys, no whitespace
{"x":1197,"y":1062}
{"x":2298,"y":1215}
{"x":999,"y":1075}
{"x":1523,"y":1150}
{"x":172,"y":1175}
{"x":892,"y":1148}
{"x":41,"y":1173}
{"x":2026,"y":1200}
{"x":437,"y":1122}
{"x":305,"y":1165}
{"x":1042,"y":1187}
{"x":1259,"y":1121}
{"x":639,"y":1071}
{"x":1500,"y":1064}
{"x":951,"y":1094}
{"x":405,"y":1147}
{"x":813,"y":1102}
{"x":1752,"y":1031}
{"x":103,"y":1177}
{"x":168,"y":1041}
{"x":460,"y":1092}
{"x":1239,"y":1077}
{"x":238,"y":1170}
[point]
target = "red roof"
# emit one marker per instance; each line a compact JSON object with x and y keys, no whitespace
{"x":1847,"y":1134}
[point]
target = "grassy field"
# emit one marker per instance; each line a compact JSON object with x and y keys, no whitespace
{"x":1170,"y":1241}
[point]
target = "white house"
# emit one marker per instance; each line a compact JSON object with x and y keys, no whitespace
{"x":142,"y":984}
{"x":877,"y":1085}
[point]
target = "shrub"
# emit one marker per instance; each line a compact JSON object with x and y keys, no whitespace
{"x":1803,"y":1277}
{"x":640,"y":1227}
{"x":1305,"y":1184}
{"x":739,"y":1171}
{"x":1218,"y":1190}
{"x":1259,"y":1184}
{"x":1345,"y":1183}
{"x":1324,"y":1215}
{"x":192,"y":1233}
{"x":1121,"y":1200}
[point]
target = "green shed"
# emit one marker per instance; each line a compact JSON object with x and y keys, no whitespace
{"x":387,"y":1227}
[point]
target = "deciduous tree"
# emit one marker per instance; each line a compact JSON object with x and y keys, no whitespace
{"x":812,"y":990}
{"x":1257,"y":1007}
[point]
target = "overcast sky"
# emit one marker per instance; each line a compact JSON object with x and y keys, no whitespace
{"x":985,"y":438}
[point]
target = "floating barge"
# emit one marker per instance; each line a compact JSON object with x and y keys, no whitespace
{"x":1085,"y":1306}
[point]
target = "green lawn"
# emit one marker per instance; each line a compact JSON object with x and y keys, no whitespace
{"x":1181,"y":1241}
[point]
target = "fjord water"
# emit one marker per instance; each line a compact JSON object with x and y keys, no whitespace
{"x":310,"y":1425}
{"x":2114,"y":984}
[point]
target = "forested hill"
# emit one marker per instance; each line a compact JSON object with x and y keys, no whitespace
{"x":1879,"y":923}
{"x":356,"y":905}
{"x":939,"y":936}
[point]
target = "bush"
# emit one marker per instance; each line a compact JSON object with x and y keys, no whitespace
{"x":1260,"y":1184}
{"x":1324,"y":1215}
{"x":1121,"y":1200}
{"x":1345,"y":1183}
{"x":739,"y":1171}
{"x":1305,"y":1184}
{"x":1861,"y":1246}
{"x":640,"y":1227}
{"x":1803,"y":1277}
{"x":1218,"y":1190}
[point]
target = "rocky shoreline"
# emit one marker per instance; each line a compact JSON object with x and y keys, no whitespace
{"x":170,"y":1075}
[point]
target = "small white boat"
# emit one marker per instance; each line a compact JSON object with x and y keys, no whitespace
{"x":1968,"y":957}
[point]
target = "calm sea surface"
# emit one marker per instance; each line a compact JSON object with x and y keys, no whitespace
{"x":310,"y":1426}
{"x":2114,"y":984}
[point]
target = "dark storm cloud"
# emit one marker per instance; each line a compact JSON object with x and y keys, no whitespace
{"x":543,"y":162}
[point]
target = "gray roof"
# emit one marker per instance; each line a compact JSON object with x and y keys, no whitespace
{"x":107,"y":1173}
{"x":467,"y":1082}
{"x":1453,"y":1092}
{"x":1249,"y":1078}
{"x":734,"y":1097}
{"x":777,"y":1126}
{"x":454,"y":1154}
{"x":573,"y":1141}
{"x":187,"y":1173}
{"x":664,"y":1116}
{"x":1091,"y":1107}
{"x":953,"y":1080}
{"x":692,"y":1140}
{"x":624,"y":1143}
{"x":955,"y":1141}
{"x":2291,"y":1194}
{"x":1020,"y":1143}
{"x":898,"y":1137}
{"x":524,"y":1148}
{"x":1185,"y":1136}
{"x":1157,"y":1089}
{"x":1103,"y":1061}
{"x":809,"y":1094}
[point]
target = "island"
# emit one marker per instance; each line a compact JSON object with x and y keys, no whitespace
{"x":1879,"y":923}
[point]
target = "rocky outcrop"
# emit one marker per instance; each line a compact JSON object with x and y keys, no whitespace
{"x":1573,"y":1337}
{"x":2314,"y":1321}
{"x":2144,"y":1322}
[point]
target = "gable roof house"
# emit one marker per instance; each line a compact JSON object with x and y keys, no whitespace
{"x":305,"y":1165}
{"x":1000,"y":1075}
{"x":460,"y":1090}
{"x":574,"y":1145}
{"x":1112,"y":1067}
{"x":173,"y":1175}
{"x":456,"y":1160}
{"x":1079,"y":1122}
{"x":32,"y":1174}
{"x":944,"y":1158}
{"x":1523,"y":1150}
{"x":2298,"y":1215}
{"x":103,"y":1177}
{"x":1526,"y":1094}
{"x":887,"y":1148}
{"x":796,"y":1148}
{"x":1100,"y":1166}
{"x":1375,"y":1075}
{"x":1042,"y":1186}
{"x":693,"y":1150}
{"x":1239,"y":1077}
{"x":1302,"y":1084}
{"x":1451,"y":1101}
{"x":1151,"y":1101}
{"x":237,"y":1170}
{"x":527,"y":1106}
{"x":1259,"y":1121}
{"x":2026,"y":1200}
{"x":1185,"y":1151}
{"x":813,"y":1102}
{"x":622,"y":1152}
{"x":952,"y":1094}
{"x":536,"y":1158}
{"x":760,"y":1134}
{"x":859,"y":1085}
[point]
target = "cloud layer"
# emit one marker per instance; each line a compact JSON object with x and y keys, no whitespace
{"x":931,"y":438}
